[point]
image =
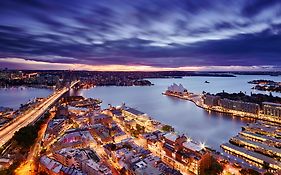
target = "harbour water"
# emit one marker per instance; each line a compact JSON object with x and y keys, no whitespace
{"x":211,"y":128}
{"x":15,"y":96}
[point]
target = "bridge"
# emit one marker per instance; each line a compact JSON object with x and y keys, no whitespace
{"x":8,"y":130}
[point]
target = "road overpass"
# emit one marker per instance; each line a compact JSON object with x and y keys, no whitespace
{"x":8,"y":130}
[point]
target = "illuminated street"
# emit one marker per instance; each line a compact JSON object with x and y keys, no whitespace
{"x":30,"y":166}
{"x":7,"y":132}
{"x":150,"y":87}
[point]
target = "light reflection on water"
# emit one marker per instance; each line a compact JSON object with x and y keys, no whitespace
{"x":15,"y":96}
{"x":210,"y":127}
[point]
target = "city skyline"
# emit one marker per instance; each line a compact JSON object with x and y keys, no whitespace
{"x":138,"y":87}
{"x":141,"y":36}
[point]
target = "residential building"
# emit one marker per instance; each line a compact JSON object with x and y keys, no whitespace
{"x":85,"y":159}
{"x":272,"y":109}
{"x":75,"y":138}
{"x":211,"y":100}
{"x":101,"y":118}
{"x":185,"y":155}
{"x":143,"y":168}
{"x":140,"y":118}
{"x":240,"y":106}
{"x":53,"y":167}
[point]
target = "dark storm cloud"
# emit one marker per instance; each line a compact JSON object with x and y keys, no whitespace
{"x":255,"y":7}
{"x":160,"y":33}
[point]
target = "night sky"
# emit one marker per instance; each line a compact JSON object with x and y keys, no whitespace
{"x":141,"y":34}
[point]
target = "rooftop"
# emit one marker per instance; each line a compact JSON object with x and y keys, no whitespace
{"x":171,"y":136}
{"x":252,"y":154}
{"x":76,"y":136}
{"x":263,"y":127}
{"x":134,"y":111}
{"x":271,"y":104}
{"x":51,"y":164}
{"x":142,"y":167}
{"x":176,"y":88}
{"x":55,"y":122}
{"x":260,"y":145}
{"x":262,"y":137}
{"x":71,"y":171}
{"x":192,"y":146}
{"x":79,"y":154}
{"x":101,"y":116}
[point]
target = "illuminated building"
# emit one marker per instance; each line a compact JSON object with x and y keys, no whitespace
{"x":211,"y":100}
{"x":53,"y":167}
{"x":142,"y":168}
{"x":177,"y":89}
{"x":264,"y":129}
{"x":240,"y":106}
{"x":75,"y":138}
{"x":272,"y":109}
{"x":85,"y":159}
{"x":5,"y":163}
{"x":257,"y":146}
{"x":269,"y":140}
{"x":101,"y":118}
{"x":140,"y":118}
{"x":181,"y":153}
{"x":253,"y":158}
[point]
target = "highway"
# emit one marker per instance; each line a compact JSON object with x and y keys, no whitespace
{"x":7,"y":131}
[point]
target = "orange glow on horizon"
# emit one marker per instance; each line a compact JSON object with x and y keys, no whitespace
{"x":20,"y":63}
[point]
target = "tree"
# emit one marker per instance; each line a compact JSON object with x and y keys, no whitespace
{"x":139,"y":128}
{"x":216,"y":168}
{"x":243,"y":171}
{"x":167,"y":128}
{"x":249,"y":172}
{"x":43,"y":173}
{"x":112,"y":146}
{"x":26,"y":136}
{"x":253,"y":172}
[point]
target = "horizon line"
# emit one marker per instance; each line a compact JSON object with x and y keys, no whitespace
{"x":26,"y":64}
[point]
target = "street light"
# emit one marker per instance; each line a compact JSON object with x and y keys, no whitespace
{"x":202,"y":145}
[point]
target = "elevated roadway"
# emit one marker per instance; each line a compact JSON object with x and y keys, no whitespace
{"x":8,"y":130}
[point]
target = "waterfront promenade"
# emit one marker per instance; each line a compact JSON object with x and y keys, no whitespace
{"x":198,"y":100}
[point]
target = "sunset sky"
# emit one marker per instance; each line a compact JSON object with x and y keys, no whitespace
{"x":146,"y":35}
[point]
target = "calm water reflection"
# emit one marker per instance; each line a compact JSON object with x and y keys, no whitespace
{"x":13,"y":97}
{"x":212,"y":128}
